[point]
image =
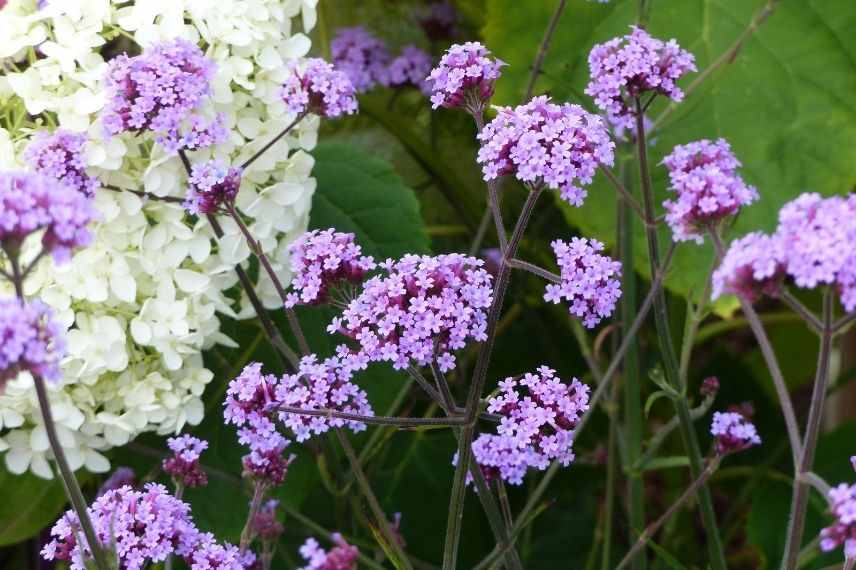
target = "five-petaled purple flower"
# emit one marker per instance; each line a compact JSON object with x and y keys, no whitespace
{"x":464,"y":77}
{"x":733,"y":432}
{"x":183,"y":464}
{"x":316,"y":86}
{"x":343,"y":556}
{"x":212,"y":184}
{"x":60,"y":155}
{"x":361,"y":56}
{"x":30,"y":340}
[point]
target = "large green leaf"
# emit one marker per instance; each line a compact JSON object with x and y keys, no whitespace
{"x":29,"y":504}
{"x":782,"y":103}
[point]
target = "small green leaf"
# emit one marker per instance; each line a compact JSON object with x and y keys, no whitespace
{"x":652,"y":399}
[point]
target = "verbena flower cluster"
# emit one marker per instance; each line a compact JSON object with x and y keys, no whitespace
{"x":183,"y":465}
{"x":318,"y":87}
{"x":60,"y":156}
{"x":753,"y":266}
{"x":544,"y":143}
{"x":629,"y":67}
{"x":842,"y":532}
{"x":410,"y":68}
{"x":30,"y":340}
{"x":321,"y":261}
{"x":704,"y":176}
{"x":362,"y":57}
{"x":31,"y":203}
{"x":539,"y":413}
{"x":438,"y":20}
{"x":343,"y":556}
{"x":424,"y":306}
{"x":464,"y":78}
{"x":733,"y":432}
{"x":213,"y":185}
{"x":590,"y":281}
{"x":265,"y":524}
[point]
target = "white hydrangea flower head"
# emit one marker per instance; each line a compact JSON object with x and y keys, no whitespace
{"x":143,"y":301}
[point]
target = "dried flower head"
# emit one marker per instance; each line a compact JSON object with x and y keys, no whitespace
{"x":316,"y":86}
{"x":754,"y":265}
{"x":733,"y":432}
{"x":464,"y":77}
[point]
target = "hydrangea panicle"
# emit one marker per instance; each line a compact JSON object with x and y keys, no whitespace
{"x":733,"y":432}
{"x":590,"y":281}
{"x":60,"y":155}
{"x":539,"y":413}
{"x":322,"y":261}
{"x":212,"y":184}
{"x":361,"y":56}
{"x":753,"y":266}
{"x":421,"y":302}
{"x":842,"y":532}
{"x":30,"y":340}
{"x":627,"y":67}
{"x":183,"y":465}
{"x":704,"y":176}
{"x":342,"y":556}
{"x":410,"y":68}
{"x":543,"y":143}
{"x":316,"y":86}
{"x":464,"y":77}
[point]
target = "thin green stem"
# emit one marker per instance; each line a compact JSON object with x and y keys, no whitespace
{"x":804,"y":312}
{"x":543,"y":48}
{"x":246,"y":164}
{"x":399,"y":422}
{"x":612,"y":458}
{"x":535,"y":270}
{"x":247,"y":534}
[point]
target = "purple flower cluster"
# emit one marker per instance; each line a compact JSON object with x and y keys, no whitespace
{"x":31,"y":202}
{"x":265,"y":523}
{"x":424,"y":307}
{"x":60,"y":155}
{"x":202,"y":133}
{"x":121,"y":477}
{"x":157,"y":90}
{"x":343,"y":556}
{"x":703,"y":174}
{"x":752,"y":267}
{"x":438,"y":20}
{"x":208,"y":554}
{"x":322,"y":385}
{"x":142,"y":527}
{"x":410,"y":68}
{"x":30,"y":340}
{"x":842,"y":500}
{"x":361,"y":56}
{"x":464,"y":77}
{"x":539,"y":413}
{"x":627,"y":67}
{"x":733,"y":432}
{"x":318,"y":87}
{"x":542,"y":143}
{"x":211,"y":185}
{"x":590,"y":280}
{"x":183,"y":464}
{"x":321,"y":261}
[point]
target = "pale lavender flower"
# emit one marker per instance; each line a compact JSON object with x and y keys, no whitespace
{"x":704,"y":176}
{"x":628,"y":67}
{"x":31,"y":202}
{"x":361,"y":56}
{"x":60,"y":155}
{"x":421,"y":303}
{"x":539,"y":413}
{"x":590,"y":281}
{"x":542,"y":143}
{"x":819,"y":240}
{"x":202,"y":133}
{"x":464,"y":77}
{"x":323,"y":262}
{"x":318,"y":87}
{"x":157,"y":90}
{"x":183,"y":464}
{"x":733,"y":432}
{"x":410,"y":68}
{"x":753,"y":266}
{"x":208,"y":554}
{"x":121,"y":477}
{"x":30,"y":340}
{"x":343,"y":556}
{"x":438,"y":20}
{"x":842,"y":532}
{"x":211,"y":185}
{"x":318,"y":386}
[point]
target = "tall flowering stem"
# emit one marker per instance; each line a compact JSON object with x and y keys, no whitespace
{"x":465,"y":443}
{"x":493,"y":203}
{"x":246,"y":164}
{"x":799,"y":501}
{"x":670,"y":361}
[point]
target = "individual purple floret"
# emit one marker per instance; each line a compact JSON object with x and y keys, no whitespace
{"x":212,"y":184}
{"x":628,"y":67}
{"x":464,"y":77}
{"x":590,"y":281}
{"x":324,"y":262}
{"x":819,"y":241}
{"x":422,"y":303}
{"x":438,"y":20}
{"x":183,"y":464}
{"x":322,"y":385}
{"x":842,"y":532}
{"x":343,"y":556}
{"x":753,"y":266}
{"x":201,"y":133}
{"x":539,"y":413}
{"x":142,"y":527}
{"x":32,"y":202}
{"x":361,"y":56}
{"x":704,"y":176}
{"x":121,"y":477}
{"x":157,"y":90}
{"x":30,"y":340}
{"x":315,"y":86}
{"x":265,"y":523}
{"x":410,"y":68}
{"x":542,"y":143}
{"x":733,"y":432}
{"x":60,"y":155}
